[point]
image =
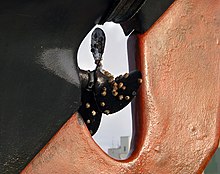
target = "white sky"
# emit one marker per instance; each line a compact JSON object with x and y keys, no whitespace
{"x":115,"y":61}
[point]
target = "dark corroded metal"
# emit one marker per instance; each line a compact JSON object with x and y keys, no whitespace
{"x":107,"y":95}
{"x":101,"y":92}
{"x":122,"y":10}
{"x":98,"y":44}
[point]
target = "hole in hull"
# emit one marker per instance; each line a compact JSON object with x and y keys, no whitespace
{"x":115,"y":130}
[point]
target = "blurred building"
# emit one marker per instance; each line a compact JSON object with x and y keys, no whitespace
{"x":214,"y":165}
{"x":122,"y":151}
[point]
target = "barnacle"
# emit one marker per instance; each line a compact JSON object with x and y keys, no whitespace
{"x":101,"y":92}
{"x":107,"y":97}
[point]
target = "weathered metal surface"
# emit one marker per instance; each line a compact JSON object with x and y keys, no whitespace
{"x":177,"y":124}
{"x":39,"y":81}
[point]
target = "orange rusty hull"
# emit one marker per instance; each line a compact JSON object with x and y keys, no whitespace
{"x":177,"y":121}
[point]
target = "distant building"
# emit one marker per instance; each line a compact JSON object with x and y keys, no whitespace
{"x":214,"y":165}
{"x":122,"y":151}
